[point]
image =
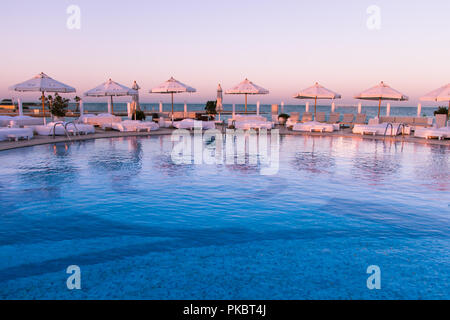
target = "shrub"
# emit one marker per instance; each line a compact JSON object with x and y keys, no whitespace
{"x":139,"y":115}
{"x":441,"y":110}
{"x":211,"y":107}
{"x":58,"y":105}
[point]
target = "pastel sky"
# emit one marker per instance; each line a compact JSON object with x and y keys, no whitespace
{"x":282,"y":45}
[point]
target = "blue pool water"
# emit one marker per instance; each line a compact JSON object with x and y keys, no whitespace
{"x":140,"y":226}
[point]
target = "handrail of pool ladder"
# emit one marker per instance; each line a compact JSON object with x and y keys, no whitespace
{"x":76,"y":132}
{"x":387,"y":126}
{"x":62,"y":124}
{"x":403,"y":126}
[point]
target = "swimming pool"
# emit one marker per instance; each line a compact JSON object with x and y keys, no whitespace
{"x":140,"y":226}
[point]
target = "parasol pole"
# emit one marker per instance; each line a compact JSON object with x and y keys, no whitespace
{"x":315,"y":105}
{"x":112,"y":107}
{"x":379,"y":108}
{"x":245,"y":103}
{"x":43,"y":107}
{"x":172,"y":107}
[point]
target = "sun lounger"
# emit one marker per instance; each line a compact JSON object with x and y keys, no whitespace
{"x":380,"y":129}
{"x":134,"y":126}
{"x":320,"y":117}
{"x":293,"y":119}
{"x":15,"y":133}
{"x":192,"y":124}
{"x":429,"y":133}
{"x":295,"y":116}
{"x":414,"y":122}
{"x":243,"y":118}
{"x":373,"y":129}
{"x":387,"y":119}
{"x":71,"y":128}
{"x":27,"y":121}
{"x":361,"y":118}
{"x":313,"y":126}
{"x":422,"y":122}
{"x":85,"y":116}
{"x":99,"y":120}
{"x":164,"y":122}
{"x":247,"y":122}
{"x":334,"y":118}
{"x":247,"y":125}
{"x":20,"y":121}
{"x":4,"y":120}
{"x":307,"y":117}
{"x":348,"y":119}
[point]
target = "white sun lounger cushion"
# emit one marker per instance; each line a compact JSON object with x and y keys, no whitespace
{"x":47,"y":130}
{"x":20,"y":121}
{"x":433,"y":133}
{"x":313,"y":126}
{"x":380,"y":129}
{"x":191,"y":124}
{"x":5,"y":133}
{"x":253,"y":124}
{"x":134,"y":125}
{"x":102,"y":118}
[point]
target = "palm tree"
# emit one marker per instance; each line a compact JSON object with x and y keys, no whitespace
{"x":77,"y":100}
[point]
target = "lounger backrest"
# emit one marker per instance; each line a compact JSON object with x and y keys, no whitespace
{"x":407,"y":120}
{"x":307,"y":116}
{"x":361,"y":118}
{"x":334,"y":117}
{"x":348,"y":118}
{"x":320,"y":116}
{"x":421,"y":121}
{"x":178,"y":114}
{"x":249,"y":118}
{"x":295,"y":116}
{"x":386,"y":119}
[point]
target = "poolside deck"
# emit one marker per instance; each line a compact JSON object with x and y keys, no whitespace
{"x":100,"y":134}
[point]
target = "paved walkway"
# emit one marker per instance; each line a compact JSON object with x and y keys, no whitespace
{"x":100,"y":134}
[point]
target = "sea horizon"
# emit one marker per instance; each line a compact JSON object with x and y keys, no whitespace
{"x":265,"y":109}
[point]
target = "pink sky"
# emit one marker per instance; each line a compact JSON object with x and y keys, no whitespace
{"x":283,"y":46}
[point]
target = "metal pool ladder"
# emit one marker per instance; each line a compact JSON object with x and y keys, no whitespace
{"x":387,"y":126}
{"x":64,"y":125}
{"x":403,"y":126}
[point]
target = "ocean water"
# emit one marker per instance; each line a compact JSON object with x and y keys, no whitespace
{"x":141,"y":226}
{"x":266,"y":109}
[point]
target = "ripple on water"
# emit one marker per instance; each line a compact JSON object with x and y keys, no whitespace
{"x":122,"y":209}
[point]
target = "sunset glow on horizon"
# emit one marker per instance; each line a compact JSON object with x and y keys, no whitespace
{"x":284,"y":46}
